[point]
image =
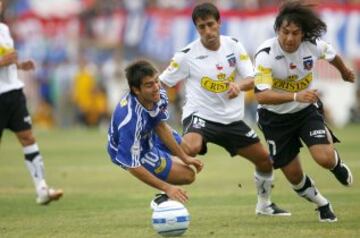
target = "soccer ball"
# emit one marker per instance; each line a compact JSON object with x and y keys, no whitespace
{"x":170,"y":218}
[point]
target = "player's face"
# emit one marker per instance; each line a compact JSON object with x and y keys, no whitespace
{"x":149,"y":92}
{"x":290,"y":36}
{"x":209,"y":30}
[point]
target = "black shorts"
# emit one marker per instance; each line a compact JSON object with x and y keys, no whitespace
{"x":231,"y":136}
{"x":13,"y":112}
{"x":284,"y":132}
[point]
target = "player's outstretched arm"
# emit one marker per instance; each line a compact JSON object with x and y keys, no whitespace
{"x":163,"y":130}
{"x":346,"y":73}
{"x":271,"y":97}
{"x":174,"y":192}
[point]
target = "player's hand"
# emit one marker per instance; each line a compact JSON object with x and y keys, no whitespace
{"x":348,"y":75}
{"x":198,"y":164}
{"x":234,"y":90}
{"x":177,"y":193}
{"x":26,"y":65}
{"x":308,"y":96}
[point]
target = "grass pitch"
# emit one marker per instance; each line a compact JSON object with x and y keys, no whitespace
{"x":102,"y":200}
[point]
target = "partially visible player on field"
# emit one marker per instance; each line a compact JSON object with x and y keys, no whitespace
{"x":15,"y":116}
{"x":289,"y":105}
{"x":140,"y":140}
{"x":216,"y":70}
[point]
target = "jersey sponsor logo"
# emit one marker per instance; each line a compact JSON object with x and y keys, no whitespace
{"x":27,"y":119}
{"x":308,"y":63}
{"x":318,"y":133}
{"x":293,"y":86}
{"x":292,"y":66}
{"x":202,"y":57}
{"x":217,"y":86}
{"x":293,"y":77}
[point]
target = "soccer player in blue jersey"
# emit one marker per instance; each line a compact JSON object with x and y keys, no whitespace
{"x":140,"y":140}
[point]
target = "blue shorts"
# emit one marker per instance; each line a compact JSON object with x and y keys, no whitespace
{"x":157,"y":161}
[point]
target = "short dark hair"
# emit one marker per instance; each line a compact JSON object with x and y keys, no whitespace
{"x":304,"y":17}
{"x":137,"y":71}
{"x":205,"y":10}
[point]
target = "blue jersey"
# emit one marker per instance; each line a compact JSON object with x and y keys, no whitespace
{"x":132,"y":140}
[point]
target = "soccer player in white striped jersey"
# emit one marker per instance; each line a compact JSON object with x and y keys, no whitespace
{"x":289,"y":105}
{"x":15,"y":116}
{"x":140,"y":140}
{"x":216,"y":69}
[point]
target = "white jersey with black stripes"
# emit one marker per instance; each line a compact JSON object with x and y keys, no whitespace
{"x":288,"y":72}
{"x":206,"y":74}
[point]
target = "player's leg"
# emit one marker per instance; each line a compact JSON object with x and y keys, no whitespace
{"x":305,"y":187}
{"x":192,"y":140}
{"x":263,"y":175}
{"x":180,"y":174}
{"x":20,"y":124}
{"x":320,"y":142}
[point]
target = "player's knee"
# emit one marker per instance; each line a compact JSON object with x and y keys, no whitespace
{"x":27,"y":140}
{"x":189,"y":178}
{"x":264,"y":165}
{"x":326,"y":159}
{"x":194,"y":149}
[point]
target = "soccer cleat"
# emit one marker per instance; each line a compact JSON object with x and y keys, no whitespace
{"x":342,"y":173}
{"x":326,"y":213}
{"x":159,"y":198}
{"x":49,"y":196}
{"x":271,"y":210}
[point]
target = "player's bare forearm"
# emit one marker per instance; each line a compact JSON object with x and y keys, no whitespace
{"x":145,"y":176}
{"x":163,"y":130}
{"x":271,"y":97}
{"x":346,"y":73}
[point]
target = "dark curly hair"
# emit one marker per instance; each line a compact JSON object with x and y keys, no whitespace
{"x":303,"y":16}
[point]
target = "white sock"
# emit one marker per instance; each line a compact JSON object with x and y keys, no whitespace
{"x":306,"y":189}
{"x":263,"y":183}
{"x":35,"y":165}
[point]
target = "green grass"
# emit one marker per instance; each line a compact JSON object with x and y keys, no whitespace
{"x":102,"y":200}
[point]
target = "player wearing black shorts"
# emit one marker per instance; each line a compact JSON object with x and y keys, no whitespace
{"x":216,"y":69}
{"x":289,"y":105}
{"x":15,"y":116}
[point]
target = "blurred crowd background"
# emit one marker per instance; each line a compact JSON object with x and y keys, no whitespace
{"x":82,"y":46}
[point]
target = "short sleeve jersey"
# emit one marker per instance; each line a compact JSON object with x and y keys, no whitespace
{"x":206,"y":74}
{"x":131,"y":133}
{"x":8,"y":74}
{"x":288,"y":72}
